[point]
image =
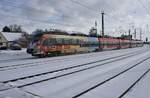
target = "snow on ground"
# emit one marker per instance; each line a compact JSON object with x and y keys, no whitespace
{"x":17,"y":64}
{"x":12,"y":52}
{"x":16,"y":93}
{"x":12,"y":55}
{"x":6,"y":55}
{"x":142,"y":89}
{"x":115,"y":87}
{"x":67,"y":87}
{"x":51,"y":65}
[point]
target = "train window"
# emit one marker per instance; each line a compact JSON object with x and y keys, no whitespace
{"x":45,"y":42}
{"x":78,"y":42}
{"x":94,"y":44}
{"x":88,"y":44}
{"x":82,"y":42}
{"x":69,"y":41}
{"x":74,"y":41}
{"x":51,"y":41}
{"x":65,"y":41}
{"x":59,"y":41}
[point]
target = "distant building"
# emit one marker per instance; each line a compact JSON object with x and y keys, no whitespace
{"x":6,"y":38}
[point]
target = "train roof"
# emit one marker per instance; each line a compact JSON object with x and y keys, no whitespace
{"x":69,"y":37}
{"x":37,"y":35}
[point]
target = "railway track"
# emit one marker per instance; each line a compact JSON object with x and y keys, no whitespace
{"x":64,"y":69}
{"x":129,"y":88}
{"x":15,"y":66}
{"x":120,"y":73}
{"x":31,"y":64}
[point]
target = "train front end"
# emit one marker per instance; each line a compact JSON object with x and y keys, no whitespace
{"x":34,"y":47}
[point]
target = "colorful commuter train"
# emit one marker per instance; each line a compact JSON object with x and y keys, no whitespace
{"x":52,"y":44}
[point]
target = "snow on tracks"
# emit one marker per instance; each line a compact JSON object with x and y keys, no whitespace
{"x":74,"y":61}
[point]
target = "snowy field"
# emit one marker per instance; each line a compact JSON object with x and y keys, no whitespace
{"x":109,"y":74}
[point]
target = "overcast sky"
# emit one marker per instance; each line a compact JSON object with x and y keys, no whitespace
{"x":77,"y":15}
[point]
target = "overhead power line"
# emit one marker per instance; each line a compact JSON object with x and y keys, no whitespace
{"x":110,"y":8}
{"x":96,"y":11}
{"x":58,"y":23}
{"x":143,"y":5}
{"x":83,"y":5}
{"x":62,"y":16}
{"x":114,"y":18}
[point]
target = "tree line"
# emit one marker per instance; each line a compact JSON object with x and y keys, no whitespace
{"x":12,"y":28}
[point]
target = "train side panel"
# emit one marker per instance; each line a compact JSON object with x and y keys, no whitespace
{"x":109,"y":43}
{"x":66,"y":44}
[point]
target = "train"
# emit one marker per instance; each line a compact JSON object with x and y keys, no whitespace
{"x":55,"y":44}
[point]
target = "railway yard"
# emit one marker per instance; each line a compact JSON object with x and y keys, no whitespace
{"x":123,"y":73}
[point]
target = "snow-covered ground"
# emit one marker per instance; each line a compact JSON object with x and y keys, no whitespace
{"x":12,"y":55}
{"x":24,"y":76}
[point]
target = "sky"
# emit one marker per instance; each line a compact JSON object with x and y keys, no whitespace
{"x":78,"y":15}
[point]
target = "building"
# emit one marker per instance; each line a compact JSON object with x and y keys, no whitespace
{"x":6,"y":38}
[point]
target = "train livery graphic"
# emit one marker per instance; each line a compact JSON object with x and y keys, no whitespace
{"x":53,"y":44}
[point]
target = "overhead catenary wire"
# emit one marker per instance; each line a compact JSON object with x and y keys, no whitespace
{"x":65,"y":16}
{"x":143,"y":5}
{"x":96,"y":11}
{"x":85,"y":6}
{"x":74,"y":1}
